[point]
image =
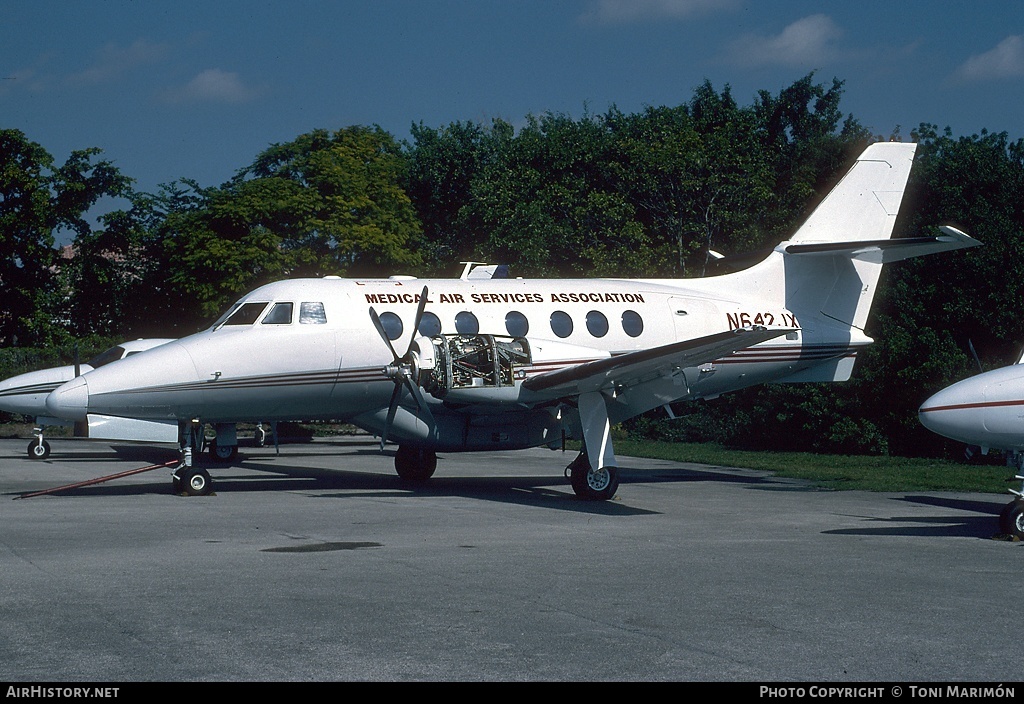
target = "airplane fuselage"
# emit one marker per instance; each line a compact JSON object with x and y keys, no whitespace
{"x":323,"y":360}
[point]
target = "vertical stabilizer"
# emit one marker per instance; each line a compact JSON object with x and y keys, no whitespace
{"x":865,"y":203}
{"x":862,"y":208}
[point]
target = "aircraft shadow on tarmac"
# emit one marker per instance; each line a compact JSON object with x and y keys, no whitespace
{"x":979,"y":525}
{"x":277,"y":474}
{"x":273,"y":472}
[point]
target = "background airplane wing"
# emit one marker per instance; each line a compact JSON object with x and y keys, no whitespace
{"x":628,"y":369}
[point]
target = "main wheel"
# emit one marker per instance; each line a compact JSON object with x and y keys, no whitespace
{"x":195,"y":481}
{"x":224,"y":453}
{"x":38,"y":450}
{"x":415,"y":464}
{"x":1011,"y":520}
{"x":594,"y":484}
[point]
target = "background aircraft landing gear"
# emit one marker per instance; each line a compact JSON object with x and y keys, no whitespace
{"x":592,"y":484}
{"x":1011,"y":520}
{"x":38,"y":449}
{"x":223,"y":453}
{"x":415,"y":464}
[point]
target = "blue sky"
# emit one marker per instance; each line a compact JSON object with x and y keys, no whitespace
{"x":197,"y":89}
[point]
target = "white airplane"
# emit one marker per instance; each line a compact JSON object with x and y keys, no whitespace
{"x":26,"y":394}
{"x":987,"y":411}
{"x":498,"y":364}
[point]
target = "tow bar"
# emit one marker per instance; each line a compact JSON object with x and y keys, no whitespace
{"x":99,"y":480}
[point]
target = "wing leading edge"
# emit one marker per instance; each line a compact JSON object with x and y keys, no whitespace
{"x":633,"y":367}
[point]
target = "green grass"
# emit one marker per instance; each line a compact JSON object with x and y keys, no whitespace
{"x":869,"y":473}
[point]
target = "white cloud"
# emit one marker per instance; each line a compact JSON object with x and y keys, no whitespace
{"x":1006,"y":60}
{"x":806,"y":42}
{"x":112,"y":61}
{"x":212,"y":86}
{"x":624,"y":11}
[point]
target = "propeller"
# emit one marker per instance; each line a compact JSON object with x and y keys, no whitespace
{"x":974,"y":354}
{"x":403,"y":369}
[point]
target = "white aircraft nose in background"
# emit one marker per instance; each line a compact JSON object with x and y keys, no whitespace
{"x":70,"y":400}
{"x":986,"y":410}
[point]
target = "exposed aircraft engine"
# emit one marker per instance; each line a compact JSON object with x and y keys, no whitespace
{"x":475,"y":362}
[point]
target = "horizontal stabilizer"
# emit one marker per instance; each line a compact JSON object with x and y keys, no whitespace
{"x":886,"y":251}
{"x":625,"y":369}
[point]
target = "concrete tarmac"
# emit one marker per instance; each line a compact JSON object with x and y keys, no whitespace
{"x":319,"y":564}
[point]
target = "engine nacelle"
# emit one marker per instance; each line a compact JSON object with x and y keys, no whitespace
{"x":477,"y":362}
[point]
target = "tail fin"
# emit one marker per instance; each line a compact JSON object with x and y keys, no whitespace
{"x":861,"y":209}
{"x":865,"y":203}
{"x":829,"y":269}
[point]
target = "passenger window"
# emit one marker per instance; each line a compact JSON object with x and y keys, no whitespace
{"x":466,"y":323}
{"x":312,"y":314}
{"x":632,"y":323}
{"x":246,"y":314}
{"x":280,"y":314}
{"x":430,"y":325}
{"x":392,"y":325}
{"x":597,"y":324}
{"x":561,"y":323}
{"x":516,"y":324}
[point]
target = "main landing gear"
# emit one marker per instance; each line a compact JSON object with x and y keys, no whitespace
{"x":590,"y":483}
{"x":415,"y":464}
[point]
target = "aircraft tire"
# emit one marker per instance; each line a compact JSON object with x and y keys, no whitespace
{"x":38,"y":451}
{"x":1011,"y":520}
{"x":223,"y":453}
{"x":594,"y":485}
{"x":415,"y":464}
{"x":196,"y":481}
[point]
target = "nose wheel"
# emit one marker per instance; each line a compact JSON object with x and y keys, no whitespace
{"x":1011,"y":520}
{"x":38,"y":449}
{"x":192,"y":481}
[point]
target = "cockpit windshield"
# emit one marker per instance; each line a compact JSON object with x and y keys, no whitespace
{"x":106,"y":357}
{"x":280,"y":314}
{"x":245,"y":314}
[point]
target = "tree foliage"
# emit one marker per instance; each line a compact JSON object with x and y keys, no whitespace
{"x":646,"y":194}
{"x":38,"y":200}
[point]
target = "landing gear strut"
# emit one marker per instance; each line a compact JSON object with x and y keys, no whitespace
{"x":186,"y":479}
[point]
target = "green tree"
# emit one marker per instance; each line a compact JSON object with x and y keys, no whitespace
{"x":325,"y":203}
{"x":38,"y":200}
{"x":444,"y":164}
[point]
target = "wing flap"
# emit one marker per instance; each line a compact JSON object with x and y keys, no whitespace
{"x":624,"y":369}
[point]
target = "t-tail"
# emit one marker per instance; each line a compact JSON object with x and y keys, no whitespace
{"x":828,"y":272}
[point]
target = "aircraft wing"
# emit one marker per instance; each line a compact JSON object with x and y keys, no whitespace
{"x":632,"y":368}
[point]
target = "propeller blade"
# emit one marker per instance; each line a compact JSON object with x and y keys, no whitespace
{"x":419,"y":317}
{"x":975,"y":355}
{"x":383,"y":334}
{"x":417,"y":394}
{"x":392,"y":409}
{"x":78,"y":366}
